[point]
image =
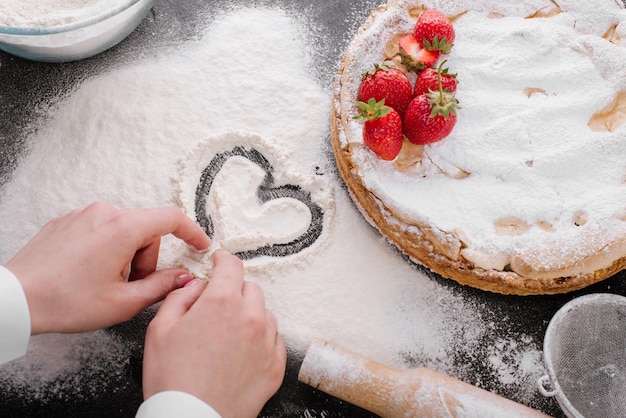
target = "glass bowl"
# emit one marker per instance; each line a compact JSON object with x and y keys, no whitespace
{"x":76,"y":40}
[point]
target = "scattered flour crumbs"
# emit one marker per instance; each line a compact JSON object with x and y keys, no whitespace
{"x":121,"y":137}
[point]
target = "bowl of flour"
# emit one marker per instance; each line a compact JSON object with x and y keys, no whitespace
{"x":67,"y":30}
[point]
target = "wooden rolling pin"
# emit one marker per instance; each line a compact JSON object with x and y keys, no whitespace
{"x":390,"y":392}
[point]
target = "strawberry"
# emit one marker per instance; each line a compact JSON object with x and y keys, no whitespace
{"x":434,"y":31}
{"x":421,"y":126}
{"x":414,"y":56}
{"x":430,"y":116}
{"x":428,"y":80}
{"x":385,"y":81}
{"x":382,"y":128}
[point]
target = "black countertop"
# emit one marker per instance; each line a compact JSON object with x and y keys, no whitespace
{"x":25,"y":85}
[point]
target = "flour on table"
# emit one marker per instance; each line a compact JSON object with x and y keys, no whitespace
{"x":254,"y":200}
{"x":55,"y":364}
{"x":121,"y":137}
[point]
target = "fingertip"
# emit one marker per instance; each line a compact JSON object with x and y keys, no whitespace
{"x":171,"y":220}
{"x":183,"y":279}
{"x":193,"y":289}
{"x":204,"y":243}
{"x":220,"y":253}
{"x":198,"y":239}
{"x":221,"y":256}
{"x":194,"y":282}
{"x":228,"y":271}
{"x":158,"y":285}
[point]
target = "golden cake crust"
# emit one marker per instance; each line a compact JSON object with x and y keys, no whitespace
{"x":440,"y":251}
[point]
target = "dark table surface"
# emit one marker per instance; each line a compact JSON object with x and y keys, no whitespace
{"x":24,"y":85}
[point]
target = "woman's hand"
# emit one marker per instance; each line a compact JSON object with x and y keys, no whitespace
{"x":96,"y":267}
{"x":217,"y":342}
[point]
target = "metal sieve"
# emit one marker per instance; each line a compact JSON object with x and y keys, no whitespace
{"x":585,"y":357}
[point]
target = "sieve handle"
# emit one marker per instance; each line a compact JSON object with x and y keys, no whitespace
{"x":542,"y":382}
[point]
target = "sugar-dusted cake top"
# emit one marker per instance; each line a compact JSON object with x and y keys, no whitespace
{"x":533,"y":177}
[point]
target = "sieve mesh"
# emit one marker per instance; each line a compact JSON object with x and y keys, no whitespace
{"x":585,"y":355}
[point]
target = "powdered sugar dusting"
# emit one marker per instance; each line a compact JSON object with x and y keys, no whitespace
{"x":350,"y":287}
{"x":333,"y":366}
{"x":522,"y":141}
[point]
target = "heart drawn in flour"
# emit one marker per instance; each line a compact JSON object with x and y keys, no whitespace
{"x":237,"y":199}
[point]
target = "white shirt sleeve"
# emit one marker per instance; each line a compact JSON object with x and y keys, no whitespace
{"x":175,"y":404}
{"x":14,"y":317}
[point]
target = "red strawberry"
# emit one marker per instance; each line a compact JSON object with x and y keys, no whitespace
{"x":428,"y":80}
{"x":382,"y":128}
{"x":430,"y":116}
{"x":386,"y":82}
{"x":434,"y":31}
{"x":421,"y":126}
{"x":414,"y":56}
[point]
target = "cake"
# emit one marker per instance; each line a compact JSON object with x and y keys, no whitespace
{"x":527,"y":195}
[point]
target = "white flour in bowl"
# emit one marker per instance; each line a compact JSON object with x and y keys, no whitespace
{"x":49,"y":13}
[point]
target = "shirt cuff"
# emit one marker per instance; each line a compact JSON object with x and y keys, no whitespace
{"x":173,"y":403}
{"x":14,"y":317}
